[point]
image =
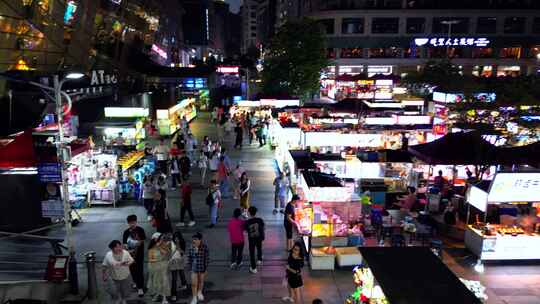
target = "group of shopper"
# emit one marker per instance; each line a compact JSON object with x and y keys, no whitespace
{"x":168,"y":255}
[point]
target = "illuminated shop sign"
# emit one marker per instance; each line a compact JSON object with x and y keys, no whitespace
{"x":462,"y":41}
{"x":515,"y":187}
{"x":159,"y":51}
{"x":228,"y":69}
{"x":69,"y":15}
{"x":126,"y":112}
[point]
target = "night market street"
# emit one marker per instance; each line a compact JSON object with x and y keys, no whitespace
{"x":506,"y":284}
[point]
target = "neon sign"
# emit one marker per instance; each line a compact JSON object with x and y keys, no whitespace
{"x":228,"y":69}
{"x":462,"y":41}
{"x":159,"y":51}
{"x":69,"y":15}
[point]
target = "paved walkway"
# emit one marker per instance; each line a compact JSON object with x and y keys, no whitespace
{"x":506,"y":284}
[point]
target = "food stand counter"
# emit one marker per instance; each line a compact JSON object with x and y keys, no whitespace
{"x":517,"y":235}
{"x":327,"y":215}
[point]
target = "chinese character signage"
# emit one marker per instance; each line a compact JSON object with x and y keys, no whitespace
{"x":515,"y":187}
{"x":50,"y":173}
{"x":447,"y":42}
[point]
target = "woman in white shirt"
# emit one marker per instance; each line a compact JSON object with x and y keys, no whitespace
{"x":116,"y":267}
{"x":203,"y":165}
{"x":213,"y":164}
{"x":148,"y":191}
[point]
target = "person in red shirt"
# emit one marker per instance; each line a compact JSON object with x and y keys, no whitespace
{"x":185,"y":192}
{"x":236,"y":235}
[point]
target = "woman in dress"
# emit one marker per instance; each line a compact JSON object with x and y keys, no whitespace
{"x":159,"y":254}
{"x":245,"y":188}
{"x":293,"y":274}
{"x":176,"y":264}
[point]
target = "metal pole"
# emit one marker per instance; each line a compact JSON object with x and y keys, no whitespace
{"x":449,"y":34}
{"x":247,"y":83}
{"x":92,"y":280}
{"x":60,"y":153}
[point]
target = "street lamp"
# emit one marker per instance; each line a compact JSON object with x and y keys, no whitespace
{"x":61,"y":155}
{"x":60,"y":148}
{"x":449,"y":23}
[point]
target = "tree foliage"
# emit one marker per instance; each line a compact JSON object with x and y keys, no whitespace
{"x":295,"y":59}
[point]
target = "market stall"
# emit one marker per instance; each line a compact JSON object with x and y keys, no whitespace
{"x":123,"y":127}
{"x":169,"y":120}
{"x":93,"y":179}
{"x":406,"y":275}
{"x":507,"y":224}
{"x":327,"y":215}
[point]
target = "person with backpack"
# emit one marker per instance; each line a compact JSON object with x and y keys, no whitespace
{"x":255,"y":230}
{"x":185,"y":166}
{"x":176,"y":264}
{"x":213,"y":200}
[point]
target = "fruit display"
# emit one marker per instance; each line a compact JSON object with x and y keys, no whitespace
{"x":128,"y":160}
{"x":510,"y":230}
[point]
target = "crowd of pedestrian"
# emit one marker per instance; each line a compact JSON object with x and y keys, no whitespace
{"x":168,"y":254}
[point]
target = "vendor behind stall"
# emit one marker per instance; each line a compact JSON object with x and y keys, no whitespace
{"x":407,"y":202}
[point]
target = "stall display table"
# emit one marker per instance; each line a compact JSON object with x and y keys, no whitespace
{"x":102,"y":196}
{"x":502,"y":247}
{"x":348,"y":256}
{"x":336,"y":241}
{"x":319,"y":259}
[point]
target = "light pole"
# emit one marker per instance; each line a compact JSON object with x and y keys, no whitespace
{"x":449,"y":23}
{"x":61,"y":155}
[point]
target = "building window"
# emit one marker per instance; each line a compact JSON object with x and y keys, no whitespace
{"x":482,"y":53}
{"x":253,"y":28}
{"x":330,"y":53}
{"x":437,"y":53}
{"x":327,"y":26}
{"x":536,"y":25}
{"x":416,"y":25}
{"x":411,"y":53}
{"x":253,"y":15}
{"x":459,"y":26}
{"x":486,"y":25}
{"x":483,"y":71}
{"x":253,"y":35}
{"x":512,"y":52}
{"x":385,"y":25}
{"x":514,"y":25}
{"x":352,"y":26}
{"x":513,"y":71}
{"x":391,"y":52}
{"x":351,"y":53}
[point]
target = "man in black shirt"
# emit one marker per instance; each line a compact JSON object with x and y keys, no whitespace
{"x":288,"y":221}
{"x":185,"y":166}
{"x":133,"y":240}
{"x":239,"y":136}
{"x":255,"y":230}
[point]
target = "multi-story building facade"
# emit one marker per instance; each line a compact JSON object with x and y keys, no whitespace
{"x":484,"y":37}
{"x":248,"y":11}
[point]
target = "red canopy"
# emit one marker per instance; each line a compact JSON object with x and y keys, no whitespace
{"x":17,"y":152}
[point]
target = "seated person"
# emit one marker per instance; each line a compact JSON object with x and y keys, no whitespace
{"x":407,"y":202}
